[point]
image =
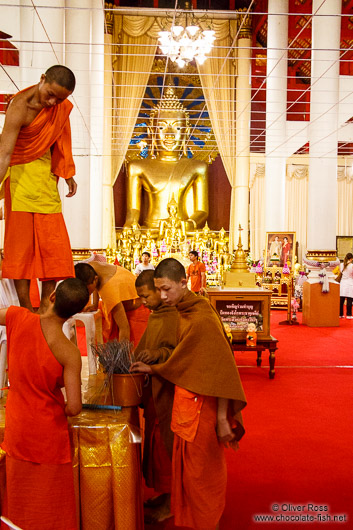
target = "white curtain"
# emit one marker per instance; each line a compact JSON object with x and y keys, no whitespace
{"x":135,"y":39}
{"x":217,"y":76}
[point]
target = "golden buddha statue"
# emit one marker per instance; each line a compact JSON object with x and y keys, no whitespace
{"x":172,"y":229}
{"x":168,"y":172}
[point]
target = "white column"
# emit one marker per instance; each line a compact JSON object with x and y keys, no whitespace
{"x":42,"y":36}
{"x":97,"y":125}
{"x":322,"y":190}
{"x":276,"y":103}
{"x":108,"y":210}
{"x":77,"y":57}
{"x":243,"y":108}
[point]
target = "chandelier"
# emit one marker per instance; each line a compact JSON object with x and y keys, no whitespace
{"x":182,"y":43}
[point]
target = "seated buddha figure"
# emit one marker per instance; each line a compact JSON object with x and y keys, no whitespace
{"x":172,"y":229}
{"x":168,"y":172}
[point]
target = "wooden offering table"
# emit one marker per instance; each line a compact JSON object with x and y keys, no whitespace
{"x":262,"y":345}
{"x":106,"y":447}
{"x":238,"y":307}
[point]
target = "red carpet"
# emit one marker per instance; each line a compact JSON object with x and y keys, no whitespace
{"x":297,"y":449}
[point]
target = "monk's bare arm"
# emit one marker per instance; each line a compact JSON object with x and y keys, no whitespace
{"x":72,"y":380}
{"x":120,"y":318}
{"x":68,"y":355}
{"x":14,"y":120}
{"x":3,"y":316}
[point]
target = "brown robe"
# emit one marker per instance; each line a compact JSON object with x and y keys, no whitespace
{"x":202,"y":364}
{"x":203,"y":361}
{"x":160,"y":338}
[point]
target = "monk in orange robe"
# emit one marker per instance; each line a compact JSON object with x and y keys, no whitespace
{"x":39,"y":476}
{"x":124,"y":315}
{"x":35,"y":149}
{"x":208,"y":399}
{"x":156,"y":346}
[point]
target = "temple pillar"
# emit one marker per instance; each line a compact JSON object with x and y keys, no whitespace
{"x":243,"y":109}
{"x":41,"y":48}
{"x":108,"y":221}
{"x":322,"y":189}
{"x":276,"y":104}
{"x":84,"y":54}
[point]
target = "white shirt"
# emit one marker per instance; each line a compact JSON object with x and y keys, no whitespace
{"x":141,"y":267}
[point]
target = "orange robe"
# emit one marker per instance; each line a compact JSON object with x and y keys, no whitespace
{"x":39,"y":476}
{"x":120,"y":288}
{"x":37,"y":244}
{"x":159,"y":339}
{"x":203,"y":369}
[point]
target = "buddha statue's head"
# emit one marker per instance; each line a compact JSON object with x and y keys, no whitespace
{"x":172,"y":207}
{"x":169,"y":126}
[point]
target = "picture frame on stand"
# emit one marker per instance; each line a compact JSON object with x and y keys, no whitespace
{"x":344,"y":244}
{"x":280,"y":249}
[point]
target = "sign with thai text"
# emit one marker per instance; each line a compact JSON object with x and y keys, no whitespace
{"x":238,"y":314}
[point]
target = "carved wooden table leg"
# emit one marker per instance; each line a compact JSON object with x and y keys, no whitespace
{"x":259,"y":360}
{"x":272,"y":359}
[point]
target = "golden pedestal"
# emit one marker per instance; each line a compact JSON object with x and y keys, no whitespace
{"x":240,"y":279}
{"x":321,"y":309}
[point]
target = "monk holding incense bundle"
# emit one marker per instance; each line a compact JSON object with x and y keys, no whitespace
{"x":41,"y":360}
{"x":35,"y":149}
{"x":124,"y":315}
{"x":156,"y":346}
{"x":208,"y":399}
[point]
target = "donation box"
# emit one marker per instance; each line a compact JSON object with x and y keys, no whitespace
{"x":240,"y":306}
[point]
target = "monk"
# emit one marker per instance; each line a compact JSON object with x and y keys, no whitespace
{"x":156,"y":346}
{"x":35,"y":149}
{"x":208,"y":399}
{"x":124,"y":315}
{"x":41,"y":360}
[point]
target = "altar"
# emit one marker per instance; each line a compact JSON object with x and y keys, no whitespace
{"x":106,"y":448}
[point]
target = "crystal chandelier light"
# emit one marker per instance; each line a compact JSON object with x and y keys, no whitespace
{"x":183,"y":44}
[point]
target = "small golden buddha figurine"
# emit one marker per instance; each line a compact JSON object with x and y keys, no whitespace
{"x":168,"y":171}
{"x":172,"y":229}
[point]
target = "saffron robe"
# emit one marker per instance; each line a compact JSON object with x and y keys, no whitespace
{"x":36,"y":441}
{"x":37,"y":244}
{"x":120,"y":288}
{"x":202,"y":365}
{"x":160,"y":338}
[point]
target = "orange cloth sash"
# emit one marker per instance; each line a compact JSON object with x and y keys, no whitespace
{"x":51,"y":127}
{"x":36,"y":427}
{"x":120,"y":288}
{"x":36,"y":245}
{"x":199,"y":474}
{"x":39,"y":496}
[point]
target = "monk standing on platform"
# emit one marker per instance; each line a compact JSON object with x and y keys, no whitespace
{"x":156,"y":346}
{"x":124,"y":315}
{"x":208,"y":399}
{"x":35,"y":149}
{"x":41,"y":360}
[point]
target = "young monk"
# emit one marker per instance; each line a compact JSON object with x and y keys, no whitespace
{"x":207,"y":402}
{"x":156,"y":346}
{"x":41,"y":360}
{"x":124,"y":315}
{"x":35,"y":149}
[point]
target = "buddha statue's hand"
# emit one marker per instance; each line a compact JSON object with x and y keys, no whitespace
{"x":190,"y":225}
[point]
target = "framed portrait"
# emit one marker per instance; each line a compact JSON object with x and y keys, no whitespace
{"x":344,"y":244}
{"x":280,"y":249}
